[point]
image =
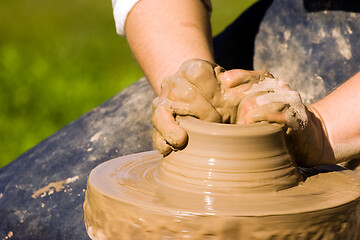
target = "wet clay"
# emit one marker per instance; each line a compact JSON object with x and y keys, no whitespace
{"x":204,"y":90}
{"x":229,"y":182}
{"x":53,"y":186}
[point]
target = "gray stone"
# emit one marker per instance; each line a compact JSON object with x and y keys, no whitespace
{"x":120,"y":126}
{"x":313,"y":51}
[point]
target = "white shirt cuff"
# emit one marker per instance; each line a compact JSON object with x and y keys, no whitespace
{"x":121,"y":11}
{"x":123,"y":7}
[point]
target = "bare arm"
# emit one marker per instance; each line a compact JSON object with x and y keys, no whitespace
{"x":340,"y":114}
{"x":164,"y":33}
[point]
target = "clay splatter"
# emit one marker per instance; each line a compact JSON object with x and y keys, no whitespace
{"x":9,"y":235}
{"x":53,"y":186}
{"x":96,"y":136}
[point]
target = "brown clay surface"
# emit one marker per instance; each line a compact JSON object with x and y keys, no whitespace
{"x":205,"y":192}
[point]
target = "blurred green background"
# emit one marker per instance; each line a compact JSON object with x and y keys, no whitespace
{"x":59,"y":59}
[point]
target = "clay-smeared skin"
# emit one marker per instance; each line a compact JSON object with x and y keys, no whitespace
{"x":206,"y":91}
{"x":201,"y":89}
{"x":272,"y":100}
{"x":311,"y":144}
{"x":131,"y":198}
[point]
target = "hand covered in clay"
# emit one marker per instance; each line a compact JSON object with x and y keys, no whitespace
{"x":201,"y":89}
{"x":273,"y":101}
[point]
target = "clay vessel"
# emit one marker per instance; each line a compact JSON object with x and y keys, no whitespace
{"x":229,"y":182}
{"x":231,"y":158}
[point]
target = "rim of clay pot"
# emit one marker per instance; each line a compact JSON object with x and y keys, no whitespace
{"x":253,"y":129}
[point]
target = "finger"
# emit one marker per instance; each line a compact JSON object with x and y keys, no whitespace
{"x":206,"y":112}
{"x":236,"y":94}
{"x":165,"y":123}
{"x":295,"y":115}
{"x":268,"y":85}
{"x":160,"y":143}
{"x":236,"y":77}
{"x":272,"y":112}
{"x":248,"y":102}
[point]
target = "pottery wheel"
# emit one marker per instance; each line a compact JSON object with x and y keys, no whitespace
{"x":229,"y":182}
{"x":123,"y":184}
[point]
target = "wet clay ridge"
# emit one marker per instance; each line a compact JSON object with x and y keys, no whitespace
{"x":229,"y":182}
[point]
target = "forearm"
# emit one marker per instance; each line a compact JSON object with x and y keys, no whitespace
{"x":340,"y":114}
{"x":164,"y":33}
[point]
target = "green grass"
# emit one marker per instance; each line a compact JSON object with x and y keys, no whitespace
{"x":60,"y":59}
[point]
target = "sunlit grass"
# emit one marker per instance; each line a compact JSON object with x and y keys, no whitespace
{"x":60,"y":59}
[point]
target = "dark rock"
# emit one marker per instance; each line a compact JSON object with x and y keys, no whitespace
{"x":313,"y":51}
{"x":120,"y":126}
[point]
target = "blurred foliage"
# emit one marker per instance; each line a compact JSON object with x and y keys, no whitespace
{"x":60,"y":59}
{"x":225,"y":11}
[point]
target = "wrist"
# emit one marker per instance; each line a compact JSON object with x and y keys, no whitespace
{"x":327,"y":153}
{"x":311,"y":144}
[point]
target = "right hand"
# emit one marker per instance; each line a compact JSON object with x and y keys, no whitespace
{"x":201,"y":89}
{"x":274,"y":101}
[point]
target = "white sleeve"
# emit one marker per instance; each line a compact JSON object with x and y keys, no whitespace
{"x":121,"y":11}
{"x":123,"y":7}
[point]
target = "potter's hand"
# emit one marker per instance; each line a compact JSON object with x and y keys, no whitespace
{"x":201,"y":89}
{"x":272,"y":100}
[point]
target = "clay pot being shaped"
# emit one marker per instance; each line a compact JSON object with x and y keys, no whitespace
{"x":229,"y":182}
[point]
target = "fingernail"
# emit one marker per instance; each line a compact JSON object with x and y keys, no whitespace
{"x":175,"y":139}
